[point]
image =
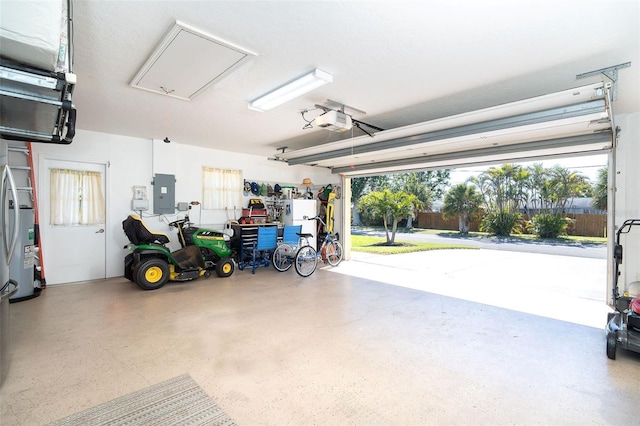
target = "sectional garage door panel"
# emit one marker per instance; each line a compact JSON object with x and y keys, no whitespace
{"x":535,"y":150}
{"x":580,"y":125}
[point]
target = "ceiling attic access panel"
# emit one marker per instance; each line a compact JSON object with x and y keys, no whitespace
{"x":187,"y":61}
{"x":564,"y":123}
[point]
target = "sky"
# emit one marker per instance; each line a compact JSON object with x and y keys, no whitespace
{"x":587,"y":165}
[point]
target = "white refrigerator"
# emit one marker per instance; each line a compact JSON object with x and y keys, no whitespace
{"x":294,"y":213}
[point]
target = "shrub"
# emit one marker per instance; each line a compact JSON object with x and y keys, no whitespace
{"x":528,"y":228}
{"x":501,"y":223}
{"x":550,"y":225}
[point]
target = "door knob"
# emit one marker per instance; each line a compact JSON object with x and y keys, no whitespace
{"x":100,"y":231}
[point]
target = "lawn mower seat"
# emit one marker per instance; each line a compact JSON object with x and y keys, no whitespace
{"x":138,"y":233}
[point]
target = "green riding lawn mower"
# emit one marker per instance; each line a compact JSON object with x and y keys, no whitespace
{"x":151,"y":264}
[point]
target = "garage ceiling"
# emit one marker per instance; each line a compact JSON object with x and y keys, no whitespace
{"x":406,"y":64}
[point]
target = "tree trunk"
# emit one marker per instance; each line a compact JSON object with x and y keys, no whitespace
{"x":386,"y":229}
{"x":355,"y":215}
{"x":394,"y":229}
{"x":410,"y":222}
{"x":463,"y":224}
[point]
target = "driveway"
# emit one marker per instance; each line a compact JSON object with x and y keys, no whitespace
{"x":588,"y":250}
{"x":555,"y":282}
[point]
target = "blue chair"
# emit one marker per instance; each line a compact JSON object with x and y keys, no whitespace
{"x":263,"y":247}
{"x":285,"y":252}
{"x":290,"y":234}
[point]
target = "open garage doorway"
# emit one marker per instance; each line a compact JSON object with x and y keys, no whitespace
{"x":563,"y":278}
{"x":574,"y":122}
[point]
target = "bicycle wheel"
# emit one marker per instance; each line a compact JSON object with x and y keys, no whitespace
{"x":306,"y":261}
{"x":333,"y":253}
{"x":282,"y":258}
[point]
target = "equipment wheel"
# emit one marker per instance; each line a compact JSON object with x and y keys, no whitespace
{"x":611,"y":344}
{"x":283,"y":256}
{"x":306,"y":261}
{"x":333,"y":253}
{"x":225,"y":267}
{"x":207,"y":274}
{"x":151,"y":274}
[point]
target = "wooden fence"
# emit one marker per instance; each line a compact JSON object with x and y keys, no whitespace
{"x":586,"y":225}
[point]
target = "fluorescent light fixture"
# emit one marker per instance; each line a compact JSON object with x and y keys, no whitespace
{"x":298,"y":87}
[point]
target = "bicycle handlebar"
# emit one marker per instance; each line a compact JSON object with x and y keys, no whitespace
{"x":315,"y":218}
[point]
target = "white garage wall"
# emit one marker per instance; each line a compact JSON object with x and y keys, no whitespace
{"x":255,"y":169}
{"x":627,"y":170}
{"x":130,"y":163}
{"x":627,"y":199}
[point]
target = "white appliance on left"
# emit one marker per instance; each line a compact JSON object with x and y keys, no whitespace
{"x":300,"y":212}
{"x":8,"y":238}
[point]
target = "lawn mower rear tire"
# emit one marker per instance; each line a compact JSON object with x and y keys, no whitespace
{"x":151,"y":274}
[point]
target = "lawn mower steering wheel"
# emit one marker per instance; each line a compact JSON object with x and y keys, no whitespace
{"x":176,"y":222}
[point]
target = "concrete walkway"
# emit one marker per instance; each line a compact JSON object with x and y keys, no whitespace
{"x":567,"y":288}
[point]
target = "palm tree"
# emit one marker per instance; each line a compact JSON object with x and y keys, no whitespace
{"x":359,"y":186}
{"x":556,"y":191}
{"x":412,"y":185}
{"x":600,"y":190}
{"x":464,"y":201}
{"x":503,"y":191}
{"x":391,"y":207}
{"x":537,"y":175}
{"x":562,"y":186}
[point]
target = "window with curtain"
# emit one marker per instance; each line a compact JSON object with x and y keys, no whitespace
{"x":221,"y":188}
{"x":76,"y":198}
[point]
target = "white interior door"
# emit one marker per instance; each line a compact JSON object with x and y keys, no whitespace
{"x":71,"y":253}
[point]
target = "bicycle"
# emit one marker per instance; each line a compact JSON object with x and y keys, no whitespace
{"x":285,"y":252}
{"x":306,"y":260}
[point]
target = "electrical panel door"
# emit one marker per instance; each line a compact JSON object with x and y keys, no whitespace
{"x":164,"y":195}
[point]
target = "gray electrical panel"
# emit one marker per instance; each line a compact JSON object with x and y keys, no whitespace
{"x":164,"y":194}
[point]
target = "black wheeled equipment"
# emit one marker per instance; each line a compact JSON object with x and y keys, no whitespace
{"x":623,"y":325}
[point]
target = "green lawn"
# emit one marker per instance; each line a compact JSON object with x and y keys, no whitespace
{"x":569,"y":239}
{"x":367,"y":244}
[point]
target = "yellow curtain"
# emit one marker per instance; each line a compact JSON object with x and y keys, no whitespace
{"x":221,"y":188}
{"x":76,"y":198}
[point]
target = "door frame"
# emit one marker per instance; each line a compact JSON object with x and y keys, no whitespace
{"x":43,"y":179}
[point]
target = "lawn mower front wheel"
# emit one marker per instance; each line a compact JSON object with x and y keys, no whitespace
{"x":225,"y":267}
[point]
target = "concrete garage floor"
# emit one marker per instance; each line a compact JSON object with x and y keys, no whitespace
{"x":332,"y":349}
{"x":568,"y":288}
